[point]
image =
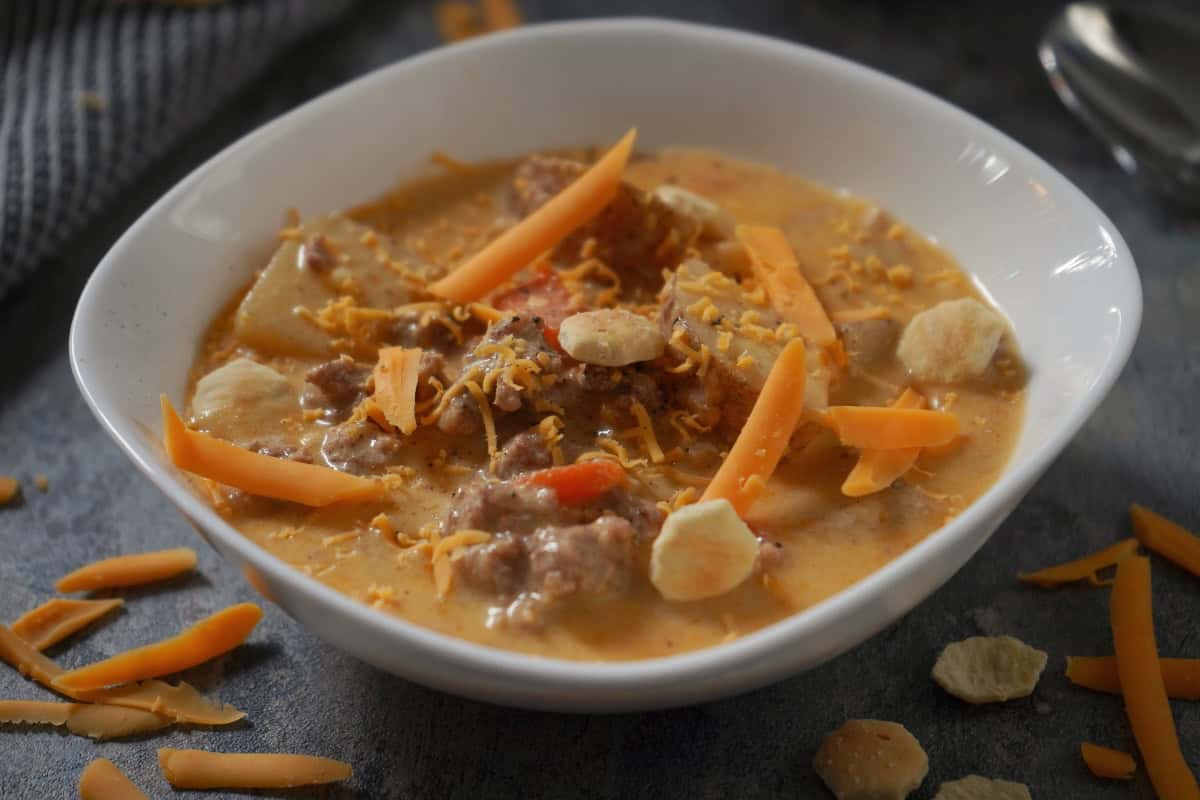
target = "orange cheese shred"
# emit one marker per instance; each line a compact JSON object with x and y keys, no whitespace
{"x":207,"y":639}
{"x":129,"y":570}
{"x":762,"y":440}
{"x":179,"y":703}
{"x":1181,"y":676}
{"x":1085,"y":568}
{"x":84,"y":719}
{"x":256,"y":473}
{"x":9,"y":489}
{"x":101,"y":780}
{"x":876,"y":470}
{"x":775,"y":267}
{"x":200,"y":769}
{"x":1142,"y":684}
{"x":56,"y":619}
{"x":879,"y":428}
{"x":396,"y":375}
{"x":1104,"y":762}
{"x":540,"y":231}
{"x":500,"y":15}
{"x":1166,"y":538}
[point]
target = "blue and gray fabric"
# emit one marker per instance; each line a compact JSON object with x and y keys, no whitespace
{"x":92,"y":91}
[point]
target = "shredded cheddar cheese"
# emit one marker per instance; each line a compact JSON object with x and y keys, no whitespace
{"x":181,"y":703}
{"x":101,"y":780}
{"x":1142,"y":684}
{"x":200,"y":769}
{"x":56,"y":619}
{"x":129,"y":570}
{"x":1086,"y":568}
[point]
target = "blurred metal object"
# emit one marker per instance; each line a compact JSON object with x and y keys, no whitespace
{"x":1133,"y":76}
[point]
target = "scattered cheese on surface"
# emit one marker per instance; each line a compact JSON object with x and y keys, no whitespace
{"x":1181,"y":676}
{"x":207,"y":639}
{"x":101,"y":780}
{"x":200,"y":769}
{"x":1166,"y":538}
{"x":9,"y":489}
{"x":41,"y":482}
{"x":129,"y":570}
{"x":1142,"y":684}
{"x":85,"y":719}
{"x":180,"y":703}
{"x":56,"y":619}
{"x":1085,"y":568}
{"x":1104,"y":762}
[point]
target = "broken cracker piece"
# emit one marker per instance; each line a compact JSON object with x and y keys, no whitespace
{"x":989,"y":669}
{"x":869,"y":759}
{"x":974,"y":787}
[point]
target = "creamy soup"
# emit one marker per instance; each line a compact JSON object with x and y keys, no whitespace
{"x":476,"y":534}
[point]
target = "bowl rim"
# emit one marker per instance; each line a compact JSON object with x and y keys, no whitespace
{"x":643,"y":674}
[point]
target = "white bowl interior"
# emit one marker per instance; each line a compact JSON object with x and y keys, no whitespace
{"x":1042,"y":251}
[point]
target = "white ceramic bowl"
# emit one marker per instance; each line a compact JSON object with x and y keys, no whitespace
{"x":1046,"y":255}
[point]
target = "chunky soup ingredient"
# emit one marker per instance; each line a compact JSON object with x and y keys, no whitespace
{"x":869,"y":759}
{"x":520,"y":468}
{"x":207,"y":639}
{"x":102,"y":780}
{"x":241,"y":394}
{"x":396,"y":375}
{"x":880,"y":428}
{"x":951,"y":342}
{"x":989,"y":669}
{"x":975,"y":787}
{"x":791,"y":294}
{"x":180,"y":703}
{"x":84,"y":719}
{"x":135,"y":569}
{"x":1166,"y":538}
{"x":1104,"y":762}
{"x":1142,"y":684}
{"x":540,"y":231}
{"x":257,"y":473}
{"x":576,"y":484}
{"x":715,"y":221}
{"x":610,"y":337}
{"x":756,"y":452}
{"x":1086,"y":568}
{"x":876,"y":470}
{"x":200,"y":769}
{"x":56,"y":619}
{"x":703,"y":550}
{"x":1181,"y":676}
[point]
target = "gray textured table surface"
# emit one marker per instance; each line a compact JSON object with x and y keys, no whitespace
{"x":406,"y":741}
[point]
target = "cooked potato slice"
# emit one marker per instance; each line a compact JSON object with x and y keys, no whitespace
{"x":869,"y":759}
{"x":307,"y":271}
{"x":974,"y":787}
{"x":610,"y":337}
{"x":710,"y":311}
{"x":989,"y":669}
{"x":951,"y":342}
{"x":714,"y":221}
{"x":704,"y":550}
{"x":241,"y":392}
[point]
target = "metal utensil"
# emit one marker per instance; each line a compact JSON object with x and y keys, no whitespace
{"x":1133,"y":76}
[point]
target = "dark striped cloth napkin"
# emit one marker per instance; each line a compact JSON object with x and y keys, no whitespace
{"x":92,"y":91}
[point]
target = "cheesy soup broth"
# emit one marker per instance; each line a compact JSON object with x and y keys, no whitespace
{"x":463,"y":541}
